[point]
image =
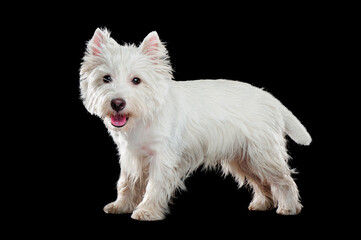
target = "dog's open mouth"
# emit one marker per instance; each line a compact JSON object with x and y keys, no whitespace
{"x":118,"y":120}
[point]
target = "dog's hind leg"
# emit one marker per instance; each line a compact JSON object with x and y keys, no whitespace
{"x":286,"y":192}
{"x":268,"y":170}
{"x":262,"y":195}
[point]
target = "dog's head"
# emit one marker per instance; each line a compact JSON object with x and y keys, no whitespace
{"x":124,"y":84}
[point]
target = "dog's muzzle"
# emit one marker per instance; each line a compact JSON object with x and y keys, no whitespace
{"x":118,"y":119}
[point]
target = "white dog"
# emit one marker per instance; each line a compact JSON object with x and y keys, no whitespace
{"x":166,"y":129}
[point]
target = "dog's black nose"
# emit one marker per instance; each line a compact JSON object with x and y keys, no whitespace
{"x":117,"y":104}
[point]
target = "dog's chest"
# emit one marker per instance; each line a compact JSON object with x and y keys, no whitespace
{"x":144,"y":142}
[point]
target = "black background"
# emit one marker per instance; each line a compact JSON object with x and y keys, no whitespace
{"x":74,"y":166}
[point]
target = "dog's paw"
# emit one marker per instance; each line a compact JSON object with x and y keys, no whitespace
{"x":116,"y":208}
{"x":294,"y":211}
{"x":143,"y":214}
{"x":261,"y":206}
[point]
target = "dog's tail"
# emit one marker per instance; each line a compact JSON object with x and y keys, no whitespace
{"x":295,"y":129}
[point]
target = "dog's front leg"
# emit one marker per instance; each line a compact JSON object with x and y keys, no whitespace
{"x":130,"y":186}
{"x":129,"y":195}
{"x":163,"y":180}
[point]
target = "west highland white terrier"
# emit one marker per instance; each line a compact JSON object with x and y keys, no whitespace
{"x":165,"y":129}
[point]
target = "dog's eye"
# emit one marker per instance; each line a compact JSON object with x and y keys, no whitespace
{"x":136,"y":81}
{"x":107,"y":79}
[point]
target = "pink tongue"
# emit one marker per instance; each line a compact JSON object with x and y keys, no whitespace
{"x":118,"y":120}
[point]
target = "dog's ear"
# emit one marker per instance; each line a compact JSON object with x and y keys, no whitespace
{"x":152,"y":46}
{"x":99,"y":39}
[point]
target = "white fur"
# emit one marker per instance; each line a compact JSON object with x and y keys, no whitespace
{"x":176,"y":127}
